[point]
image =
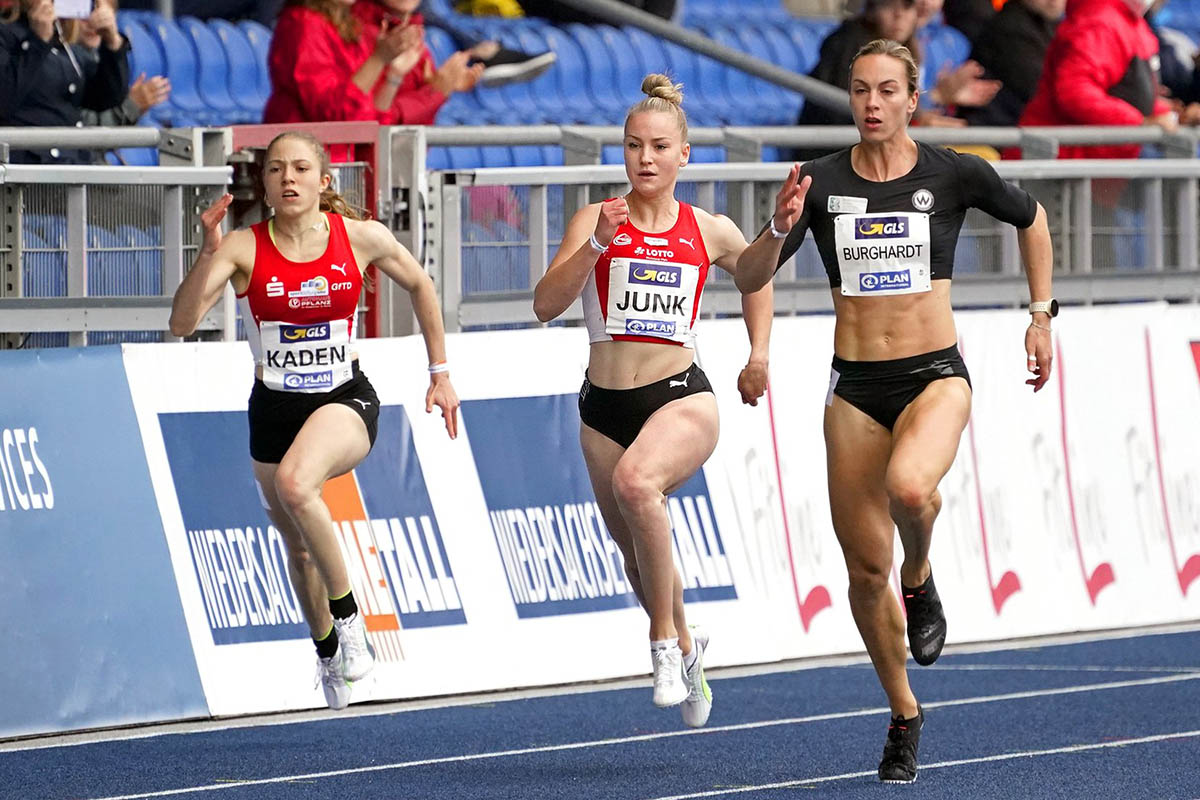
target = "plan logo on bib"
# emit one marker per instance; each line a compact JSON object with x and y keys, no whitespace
{"x":556,"y":551}
{"x":884,"y":281}
{"x":382,"y":516}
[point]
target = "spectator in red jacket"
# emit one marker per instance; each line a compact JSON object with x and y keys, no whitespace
{"x":1101,"y":69}
{"x":423,"y":86}
{"x":324,"y":69}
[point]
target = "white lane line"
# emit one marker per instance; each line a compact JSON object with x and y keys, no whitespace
{"x":1075,"y":748}
{"x":744,"y":726}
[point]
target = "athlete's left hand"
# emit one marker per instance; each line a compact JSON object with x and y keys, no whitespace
{"x":752,"y":381}
{"x":789,"y":202}
{"x":442,"y":395}
{"x":1039,"y":353}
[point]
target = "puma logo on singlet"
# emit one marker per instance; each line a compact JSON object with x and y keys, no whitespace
{"x":363,"y":403}
{"x":688,"y":242}
{"x":341,"y":269}
{"x":673,"y":384}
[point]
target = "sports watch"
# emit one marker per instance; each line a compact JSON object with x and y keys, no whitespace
{"x":1045,"y":306}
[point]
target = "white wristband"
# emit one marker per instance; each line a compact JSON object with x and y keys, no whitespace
{"x":599,"y":248}
{"x":775,"y":231}
{"x":441,"y":366}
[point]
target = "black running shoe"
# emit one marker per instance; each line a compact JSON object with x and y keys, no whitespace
{"x":899,"y":762}
{"x":514,"y":66}
{"x":926,"y":622}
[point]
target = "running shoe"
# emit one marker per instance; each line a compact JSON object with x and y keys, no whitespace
{"x":899,"y":763}
{"x":513,"y":66}
{"x":698,"y":705}
{"x":926,"y":622}
{"x":358,"y":655}
{"x":333,"y":681}
{"x":671,"y":686}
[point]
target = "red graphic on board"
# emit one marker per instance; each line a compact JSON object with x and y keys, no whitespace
{"x":817,"y":599}
{"x":1103,"y":574}
{"x":1009,"y":584}
{"x":1191,"y":567}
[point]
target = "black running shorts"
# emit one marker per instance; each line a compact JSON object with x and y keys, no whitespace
{"x":276,"y":417}
{"x":883,"y":389}
{"x":620,"y":413}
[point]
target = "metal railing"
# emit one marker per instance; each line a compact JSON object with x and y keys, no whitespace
{"x":1123,"y":230}
{"x":100,"y":249}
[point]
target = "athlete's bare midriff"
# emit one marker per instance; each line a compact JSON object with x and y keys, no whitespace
{"x":898,"y":326}
{"x":627,"y":365}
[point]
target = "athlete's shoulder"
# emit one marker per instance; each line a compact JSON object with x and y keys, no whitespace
{"x":831,"y":164}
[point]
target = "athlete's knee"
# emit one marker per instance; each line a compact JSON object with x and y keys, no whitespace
{"x":868,"y":577}
{"x":632,"y":486}
{"x":292,"y":489}
{"x":909,"y":492}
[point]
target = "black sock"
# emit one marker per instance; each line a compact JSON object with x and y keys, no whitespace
{"x":343,"y":607}
{"x":327,"y":647}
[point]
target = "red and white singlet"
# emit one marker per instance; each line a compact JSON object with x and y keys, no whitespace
{"x":647,"y":287}
{"x":303,"y":313}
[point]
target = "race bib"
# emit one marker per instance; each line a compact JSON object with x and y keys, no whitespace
{"x":651,"y":298}
{"x":306,"y":358}
{"x":883,"y":254}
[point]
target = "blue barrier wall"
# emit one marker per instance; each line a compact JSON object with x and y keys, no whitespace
{"x":97,"y":635}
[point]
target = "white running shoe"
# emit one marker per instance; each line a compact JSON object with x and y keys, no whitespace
{"x":333,"y":682}
{"x":670,"y":684}
{"x":698,"y":705}
{"x":358,"y":656}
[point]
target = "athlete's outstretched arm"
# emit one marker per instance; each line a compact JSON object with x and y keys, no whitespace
{"x":393,"y":259}
{"x":758,"y":262}
{"x":202,"y":286}
{"x":1037,"y":254}
{"x":568,"y":271}
{"x":726,"y":244}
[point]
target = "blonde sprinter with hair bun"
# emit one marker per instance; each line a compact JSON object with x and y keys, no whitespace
{"x":313,"y":414}
{"x":649,"y":417}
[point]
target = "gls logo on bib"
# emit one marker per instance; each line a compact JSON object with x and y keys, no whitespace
{"x":881,"y":228}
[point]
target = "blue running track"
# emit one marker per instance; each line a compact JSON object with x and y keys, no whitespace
{"x":1111,"y":718}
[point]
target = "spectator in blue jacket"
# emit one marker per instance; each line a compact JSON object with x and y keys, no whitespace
{"x":47,"y":77}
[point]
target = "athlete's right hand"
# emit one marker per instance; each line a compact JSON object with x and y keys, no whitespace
{"x":789,"y":203}
{"x":211,"y":220}
{"x":613,"y":214}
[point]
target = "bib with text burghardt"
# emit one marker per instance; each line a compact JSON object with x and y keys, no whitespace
{"x":883,"y":254}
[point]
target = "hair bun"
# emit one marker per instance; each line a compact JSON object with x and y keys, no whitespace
{"x":661,"y":86}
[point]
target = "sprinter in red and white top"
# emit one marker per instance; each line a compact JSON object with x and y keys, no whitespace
{"x":649,"y":417}
{"x":313,"y":414}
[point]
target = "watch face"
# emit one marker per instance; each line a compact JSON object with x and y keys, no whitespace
{"x":1053,"y":307}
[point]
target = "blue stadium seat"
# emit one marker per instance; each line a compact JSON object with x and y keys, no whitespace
{"x":244,"y":85}
{"x":571,"y":73}
{"x":213,"y":66}
{"x":110,"y":264}
{"x":601,"y":73}
{"x":494,"y":156}
{"x":145,"y":56}
{"x":186,"y":107}
{"x":527,"y":155}
{"x":464,"y":157}
{"x":436,"y":158}
{"x":544,"y":89}
{"x":630,"y":63}
{"x":260,"y":39}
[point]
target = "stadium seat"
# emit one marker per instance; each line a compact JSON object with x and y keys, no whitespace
{"x":244,"y":85}
{"x":185,"y":106}
{"x":260,"y":40}
{"x":601,"y":76}
{"x":213,"y":65}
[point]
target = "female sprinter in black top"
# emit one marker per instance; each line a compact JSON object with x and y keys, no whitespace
{"x":886,"y":215}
